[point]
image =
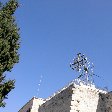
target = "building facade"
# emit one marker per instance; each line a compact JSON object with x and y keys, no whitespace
{"x":75,"y":97}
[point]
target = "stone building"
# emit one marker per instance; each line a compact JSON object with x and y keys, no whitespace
{"x":75,"y":97}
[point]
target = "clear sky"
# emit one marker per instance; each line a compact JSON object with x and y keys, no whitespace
{"x":52,"y":33}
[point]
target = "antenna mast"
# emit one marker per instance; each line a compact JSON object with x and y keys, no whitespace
{"x":82,"y":65}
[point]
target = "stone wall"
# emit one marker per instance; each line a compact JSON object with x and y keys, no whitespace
{"x":73,"y":98}
{"x":76,"y":98}
{"x":85,"y":99}
{"x":105,"y":102}
{"x":32,"y":105}
{"x":27,"y":106}
{"x":36,"y":104}
{"x":61,"y":102}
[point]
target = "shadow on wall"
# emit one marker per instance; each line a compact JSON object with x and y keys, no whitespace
{"x":59,"y":103}
{"x":105,"y":102}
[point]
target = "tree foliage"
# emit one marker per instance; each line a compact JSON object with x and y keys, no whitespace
{"x":9,"y":45}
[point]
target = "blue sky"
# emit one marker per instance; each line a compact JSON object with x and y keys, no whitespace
{"x":52,"y":33}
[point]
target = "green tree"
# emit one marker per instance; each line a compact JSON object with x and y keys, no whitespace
{"x":9,"y":45}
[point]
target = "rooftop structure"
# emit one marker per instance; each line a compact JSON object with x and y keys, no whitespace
{"x":75,"y":97}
